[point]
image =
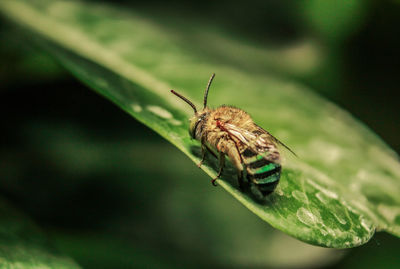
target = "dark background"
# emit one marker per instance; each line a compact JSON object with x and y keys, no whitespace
{"x":44,"y":107}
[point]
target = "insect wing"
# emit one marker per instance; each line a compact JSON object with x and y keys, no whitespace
{"x":243,"y":135}
{"x":273,"y":138}
{"x":254,"y":145}
{"x":260,"y":156}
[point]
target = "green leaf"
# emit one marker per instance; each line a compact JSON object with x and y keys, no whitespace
{"x":345,"y":183}
{"x":23,"y":245}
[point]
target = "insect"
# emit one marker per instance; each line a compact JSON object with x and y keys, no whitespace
{"x":228,"y":130}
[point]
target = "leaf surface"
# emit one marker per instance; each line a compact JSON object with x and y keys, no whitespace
{"x":345,"y":183}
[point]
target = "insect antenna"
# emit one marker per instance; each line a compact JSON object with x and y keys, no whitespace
{"x":208,"y":87}
{"x":186,"y":100}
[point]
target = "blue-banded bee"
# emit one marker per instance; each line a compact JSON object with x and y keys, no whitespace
{"x":230,"y":131}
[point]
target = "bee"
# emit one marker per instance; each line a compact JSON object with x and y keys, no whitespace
{"x":230,"y":131}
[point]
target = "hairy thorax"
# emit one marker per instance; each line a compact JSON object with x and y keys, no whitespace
{"x":214,"y":133}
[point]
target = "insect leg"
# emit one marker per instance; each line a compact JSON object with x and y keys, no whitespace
{"x":212,"y":153}
{"x":203,"y":155}
{"x":221,"y":167}
{"x":240,"y":179}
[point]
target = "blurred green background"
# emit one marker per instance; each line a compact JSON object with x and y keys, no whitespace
{"x":89,"y":175}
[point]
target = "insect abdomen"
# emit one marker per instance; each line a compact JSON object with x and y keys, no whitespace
{"x":263,"y":173}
